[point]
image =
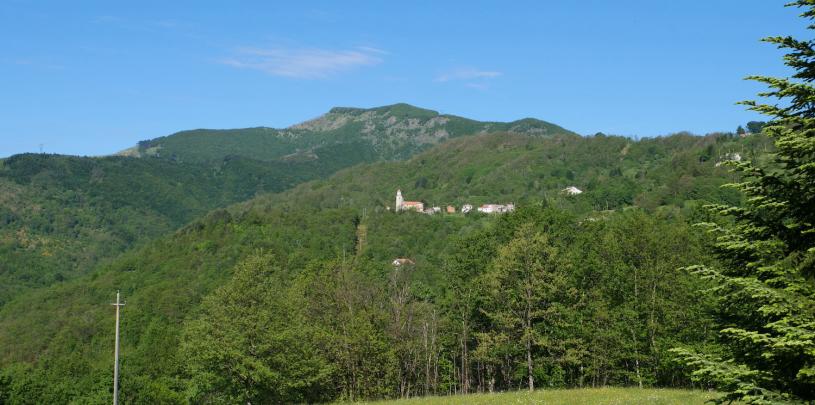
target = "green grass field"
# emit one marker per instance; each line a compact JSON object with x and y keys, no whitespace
{"x":603,"y":396}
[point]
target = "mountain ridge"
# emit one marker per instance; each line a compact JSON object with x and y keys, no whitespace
{"x":83,"y":210}
{"x":393,"y":132}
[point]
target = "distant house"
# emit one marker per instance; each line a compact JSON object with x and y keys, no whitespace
{"x":572,"y":190}
{"x":496,"y":208}
{"x":729,"y":157}
{"x":412,"y":205}
{"x":466,"y":208}
{"x":436,"y":210}
{"x":401,"y":261}
{"x":451,"y":209}
{"x":402,"y":205}
{"x":488,"y":208}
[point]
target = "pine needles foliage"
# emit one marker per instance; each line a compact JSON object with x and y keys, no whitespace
{"x":764,"y":285}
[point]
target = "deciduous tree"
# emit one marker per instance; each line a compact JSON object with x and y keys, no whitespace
{"x":525,"y":288}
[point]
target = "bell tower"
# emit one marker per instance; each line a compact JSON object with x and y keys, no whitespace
{"x":399,"y":200}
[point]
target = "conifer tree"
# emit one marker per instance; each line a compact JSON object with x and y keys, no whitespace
{"x":755,"y":127}
{"x":764,"y":284}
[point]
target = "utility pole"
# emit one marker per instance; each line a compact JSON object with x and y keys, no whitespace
{"x":116,"y":353}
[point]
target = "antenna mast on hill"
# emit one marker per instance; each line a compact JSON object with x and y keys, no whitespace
{"x":117,"y":304}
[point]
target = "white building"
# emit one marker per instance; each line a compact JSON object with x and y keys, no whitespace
{"x":466,"y":208}
{"x":496,"y":208}
{"x":729,"y":157}
{"x":572,"y":190}
{"x":401,"y":261}
{"x":402,"y":205}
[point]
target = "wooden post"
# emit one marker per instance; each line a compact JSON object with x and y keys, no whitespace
{"x":116,"y":354}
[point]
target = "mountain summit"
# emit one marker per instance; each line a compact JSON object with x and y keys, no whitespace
{"x":383,"y":133}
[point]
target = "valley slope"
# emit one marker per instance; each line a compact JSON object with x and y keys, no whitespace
{"x":639,"y":197}
{"x":62,"y":215}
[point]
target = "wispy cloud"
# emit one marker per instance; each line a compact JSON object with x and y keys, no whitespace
{"x":33,"y":63}
{"x":467,"y":74}
{"x":307,"y":63}
{"x":478,"y":86}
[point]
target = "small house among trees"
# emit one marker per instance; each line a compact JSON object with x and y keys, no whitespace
{"x":402,"y":261}
{"x":496,"y":208}
{"x":572,"y":190}
{"x":729,"y":157}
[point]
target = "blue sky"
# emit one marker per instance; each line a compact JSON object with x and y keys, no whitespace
{"x":92,"y":78}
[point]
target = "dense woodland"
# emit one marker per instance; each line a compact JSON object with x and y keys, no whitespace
{"x":333,"y":319}
{"x":202,"y":302}
{"x":293,"y":296}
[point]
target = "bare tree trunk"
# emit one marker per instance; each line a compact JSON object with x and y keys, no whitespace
{"x":529,"y":364}
{"x":490,"y":378}
{"x":652,"y":330}
{"x":633,"y":336}
{"x":528,"y":337}
{"x":435,"y":355}
{"x":427,"y":359}
{"x":455,"y":376}
{"x":636,"y":358}
{"x":465,"y":364}
{"x":580,"y":377}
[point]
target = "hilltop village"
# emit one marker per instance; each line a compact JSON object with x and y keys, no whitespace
{"x":418,"y":206}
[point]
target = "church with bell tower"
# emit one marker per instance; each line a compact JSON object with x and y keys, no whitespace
{"x":402,"y":205}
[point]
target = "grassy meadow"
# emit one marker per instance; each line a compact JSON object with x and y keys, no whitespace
{"x":593,"y":396}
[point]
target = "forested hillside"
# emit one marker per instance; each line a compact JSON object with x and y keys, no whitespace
{"x":667,"y":173}
{"x":310,"y":316}
{"x":293,"y":297}
{"x":391,"y":132}
{"x":61,"y":215}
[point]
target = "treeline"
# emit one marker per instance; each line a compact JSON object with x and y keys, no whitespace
{"x":539,"y":298}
